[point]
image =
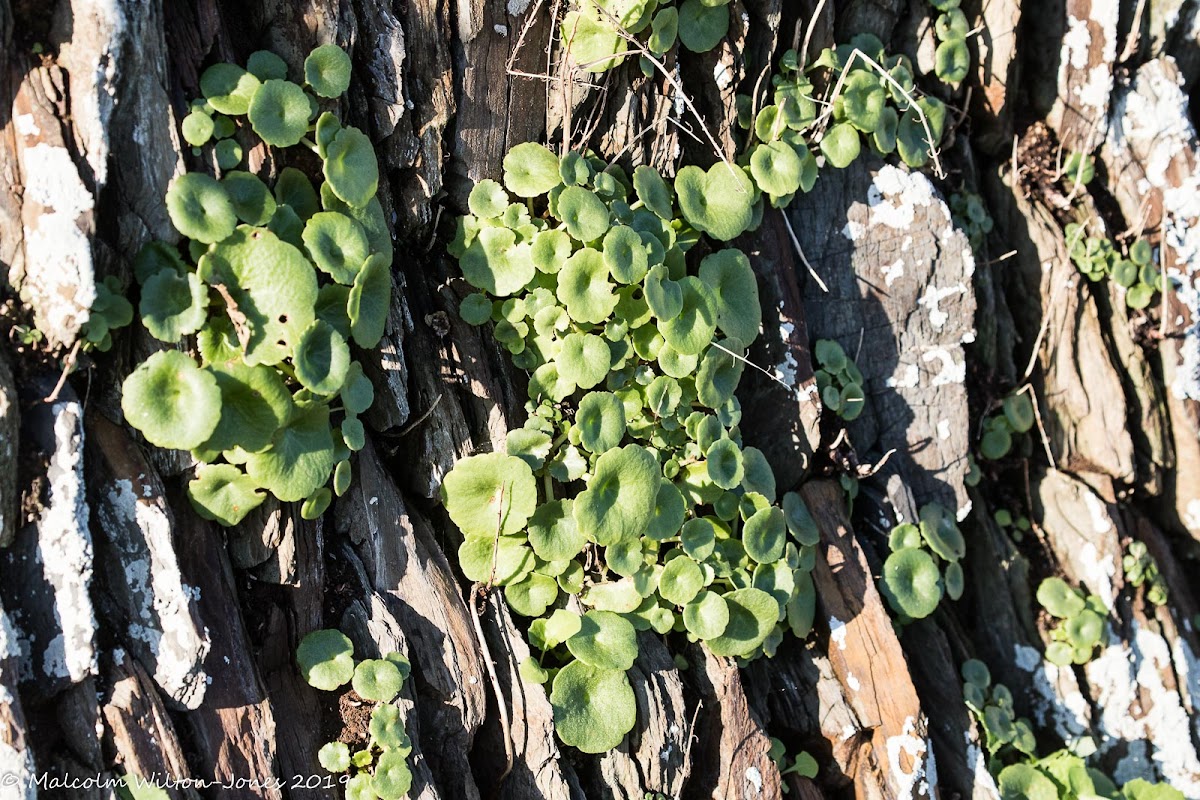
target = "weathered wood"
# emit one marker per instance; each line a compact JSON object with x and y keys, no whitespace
{"x":10,"y":438}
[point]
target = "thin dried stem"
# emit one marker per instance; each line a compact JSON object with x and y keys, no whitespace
{"x":800,"y":250}
{"x":68,"y":365}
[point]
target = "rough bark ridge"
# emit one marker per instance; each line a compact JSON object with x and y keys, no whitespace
{"x":136,"y":638}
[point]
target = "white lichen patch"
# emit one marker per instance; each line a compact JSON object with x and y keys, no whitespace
{"x":893,"y":272}
{"x":64,"y":551}
{"x":755,"y":780}
{"x":932,"y":300}
{"x":949,"y":371}
{"x":161,"y":630}
{"x":517,"y":7}
{"x":1098,"y":571}
{"x":59,"y":283}
{"x":1089,"y":47}
{"x":909,"y":757}
{"x":895,"y":196}
{"x":1135,"y":704}
{"x":837,"y":632}
{"x":785,"y":371}
{"x":1057,"y":700}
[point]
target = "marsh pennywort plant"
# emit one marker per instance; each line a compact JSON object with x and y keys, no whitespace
{"x":629,"y":486}
{"x":839,"y":380}
{"x":1012,"y":420}
{"x":1141,"y":569}
{"x":275,"y":284}
{"x":952,"y":59}
{"x":377,"y":769}
{"x":593,"y":29}
{"x":1097,"y":258}
{"x":914,"y":578}
{"x":1082,"y":622}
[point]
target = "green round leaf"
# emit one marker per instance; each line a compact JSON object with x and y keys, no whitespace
{"x":197,"y":128}
{"x":495,"y":262}
{"x":911,"y":582}
{"x":224,"y":493}
{"x":841,"y":145}
{"x":765,"y":534}
{"x":295,"y":190}
{"x":1023,"y":782}
{"x":681,"y":580}
{"x":350,"y":167}
{"x":651,"y":189}
{"x":391,"y":778}
{"x":266,"y":66}
{"x":252,"y":200}
{"x":863,"y":100}
{"x":699,"y":538}
{"x":200,"y":208}
{"x":377,"y":679}
{"x":334,"y":757}
{"x":702,"y":26}
{"x":941,"y":532}
{"x":595,"y":45}
{"x":584,"y":359}
{"x":1059,"y":599}
{"x":337,"y":244}
{"x":707,"y":616}
{"x":326,"y":659}
{"x":228,"y":88}
{"x":799,"y":521}
{"x":668,"y":514}
{"x":273,"y":285}
{"x":718,"y":202}
{"x":952,"y":61}
{"x":995,"y":444}
{"x":719,"y":373}
{"x":621,"y":496}
{"x":605,"y":640}
{"x":533,"y":595}
{"x":475,"y":309}
{"x":490,"y":491}
{"x":584,"y":288}
{"x":173,"y":305}
{"x":278,"y":113}
{"x":584,"y":214}
{"x":692,"y":329}
{"x":254,"y":404}
{"x":553,"y":533}
{"x":593,"y":708}
{"x":550,"y":250}
{"x":228,"y":153}
{"x":341,"y":477}
{"x":387,"y":728}
{"x":369,"y":302}
{"x":625,"y":254}
{"x":322,"y":359}
{"x":327,"y":70}
{"x":752,"y":616}
{"x":663,"y":295}
{"x":500,"y":561}
{"x":488,"y":199}
{"x":725,"y":467}
{"x":601,"y":421}
{"x":735,"y":293}
{"x":955,"y":581}
{"x":300,"y":457}
{"x":531,"y":170}
{"x":174,"y":403}
{"x":777,"y":168}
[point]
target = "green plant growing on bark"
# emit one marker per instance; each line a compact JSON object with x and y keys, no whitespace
{"x":1081,"y":622}
{"x":1142,"y":570}
{"x":1016,"y":527}
{"x":877,"y":99}
{"x":802,"y":764}
{"x":629,"y":486}
{"x":1097,"y":258}
{"x":952,"y":59}
{"x":275,"y":285}
{"x":110,"y":311}
{"x":1015,"y":418}
{"x":1005,"y":734}
{"x":914,"y":579}
{"x":839,"y":380}
{"x":970,"y":215}
{"x":379,"y":769}
{"x":597,"y":33}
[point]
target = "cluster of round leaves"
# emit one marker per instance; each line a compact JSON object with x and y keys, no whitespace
{"x":913,"y":580}
{"x":1011,"y":746}
{"x":1014,"y":419}
{"x":110,"y":311}
{"x":992,"y":706}
{"x":378,"y":769}
{"x":1065,"y":775}
{"x":597,"y":33}
{"x":1097,"y":258}
{"x":1081,"y":622}
{"x":1141,"y":569}
{"x":1015,"y":527}
{"x":629,"y":486}
{"x":803,"y":764}
{"x":952,"y":59}
{"x":970,"y":215}
{"x":838,"y":380}
{"x":274,"y":285}
{"x":779,"y":158}
{"x":869,"y":105}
